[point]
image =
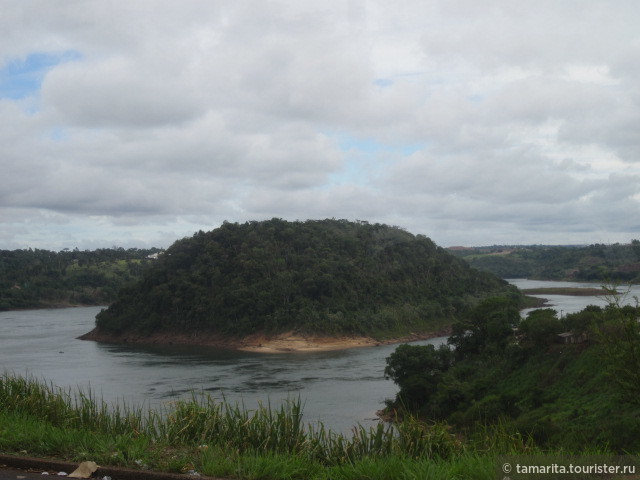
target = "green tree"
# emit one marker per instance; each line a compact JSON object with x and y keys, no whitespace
{"x":540,"y":328}
{"x":583,"y":321}
{"x":417,"y":370}
{"x":486,"y":328}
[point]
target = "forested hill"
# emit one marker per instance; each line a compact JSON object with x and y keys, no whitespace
{"x":324,"y":277}
{"x":592,"y":263}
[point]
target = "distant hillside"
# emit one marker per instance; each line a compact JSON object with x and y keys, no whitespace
{"x":42,"y":278}
{"x":331,"y":277}
{"x":593,"y":263}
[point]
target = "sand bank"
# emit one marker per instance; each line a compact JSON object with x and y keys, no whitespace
{"x":289,"y":342}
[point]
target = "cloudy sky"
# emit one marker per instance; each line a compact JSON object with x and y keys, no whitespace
{"x":135,"y":123}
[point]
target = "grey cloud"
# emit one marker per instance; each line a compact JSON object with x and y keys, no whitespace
{"x":118,"y":93}
{"x":543,"y":34}
{"x":538,"y":99}
{"x":518,"y":178}
{"x":614,"y":130}
{"x":506,"y":121}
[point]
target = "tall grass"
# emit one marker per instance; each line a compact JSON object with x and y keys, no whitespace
{"x":65,"y":408}
{"x":229,"y":439}
{"x":201,"y":420}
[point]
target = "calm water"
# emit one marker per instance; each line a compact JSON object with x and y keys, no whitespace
{"x":564,"y":304}
{"x":341,"y":388}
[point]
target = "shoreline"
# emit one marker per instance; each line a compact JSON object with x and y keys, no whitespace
{"x":566,"y":291}
{"x":288,"y":342}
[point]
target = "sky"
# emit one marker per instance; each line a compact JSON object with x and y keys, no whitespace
{"x":134,"y":124}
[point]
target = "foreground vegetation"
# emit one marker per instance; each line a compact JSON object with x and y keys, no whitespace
{"x":219,"y":439}
{"x":41,"y":278}
{"x":321,"y":277}
{"x":566,"y":382}
{"x":592,"y":263}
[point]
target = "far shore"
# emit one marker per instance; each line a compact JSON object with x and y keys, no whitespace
{"x":568,"y":291}
{"x":54,"y":306}
{"x":289,"y":342}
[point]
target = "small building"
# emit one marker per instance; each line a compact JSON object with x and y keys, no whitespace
{"x":570,"y":337}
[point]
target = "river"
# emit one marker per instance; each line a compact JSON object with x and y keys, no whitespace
{"x":565,"y":304}
{"x":339,"y":388}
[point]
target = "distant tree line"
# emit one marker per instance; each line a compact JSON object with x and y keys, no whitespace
{"x":593,"y":263}
{"x":329,"y":276}
{"x":42,"y":278}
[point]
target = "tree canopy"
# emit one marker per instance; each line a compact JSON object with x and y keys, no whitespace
{"x":321,"y":276}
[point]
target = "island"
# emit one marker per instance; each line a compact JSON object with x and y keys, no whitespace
{"x":280,"y":286}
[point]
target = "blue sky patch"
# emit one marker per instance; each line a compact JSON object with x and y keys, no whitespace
{"x":58,"y":134}
{"x":20,"y":78}
{"x":366,"y":157}
{"x":383,"y":82}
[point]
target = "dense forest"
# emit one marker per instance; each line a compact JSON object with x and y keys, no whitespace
{"x":42,"y":278}
{"x":324,"y":276}
{"x":569,"y":383}
{"x":593,"y":263}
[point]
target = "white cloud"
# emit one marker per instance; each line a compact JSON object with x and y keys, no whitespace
{"x":492,"y":122}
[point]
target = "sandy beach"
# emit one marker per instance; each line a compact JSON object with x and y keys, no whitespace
{"x":289,"y":342}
